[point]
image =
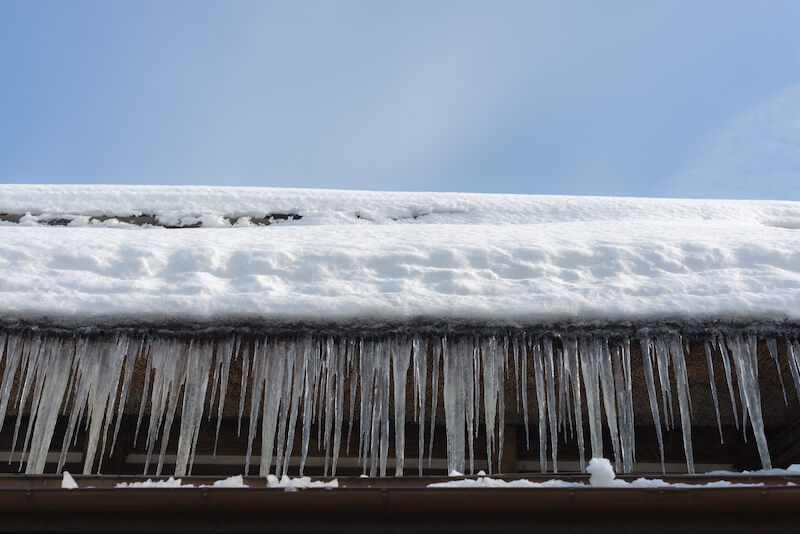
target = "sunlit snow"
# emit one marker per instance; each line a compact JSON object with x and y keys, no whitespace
{"x":500,"y":258}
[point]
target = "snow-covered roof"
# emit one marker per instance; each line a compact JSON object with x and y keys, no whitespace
{"x":72,"y":252}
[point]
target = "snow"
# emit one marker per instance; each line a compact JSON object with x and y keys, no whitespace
{"x":171,"y":482}
{"x":288,"y":483}
{"x":364,"y":255}
{"x":488,"y":482}
{"x":792,"y":470}
{"x":321,"y":207}
{"x":296,"y":483}
{"x":230,"y":482}
{"x":67,"y":482}
{"x":602,"y":475}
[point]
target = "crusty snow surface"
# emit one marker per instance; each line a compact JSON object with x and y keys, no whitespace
{"x":395,"y":256}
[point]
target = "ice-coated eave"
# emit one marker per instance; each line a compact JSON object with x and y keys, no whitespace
{"x":216,"y":327}
{"x":599,"y":321}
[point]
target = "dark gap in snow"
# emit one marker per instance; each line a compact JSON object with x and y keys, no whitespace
{"x":143,"y":220}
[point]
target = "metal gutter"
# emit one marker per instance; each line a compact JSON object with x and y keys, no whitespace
{"x":400,"y":510}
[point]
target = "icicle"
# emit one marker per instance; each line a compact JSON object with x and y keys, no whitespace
{"x":515,"y":349}
{"x":173,"y":364}
{"x":661,"y":353}
{"x":102,"y":372}
{"x":745,"y":360}
{"x":631,"y":440}
{"x":501,"y":361}
{"x":550,"y":384}
{"x":287,"y":404}
{"x":55,"y":377}
{"x":340,"y":365}
{"x":133,"y":353}
{"x":572,"y":372}
{"x":609,"y":395}
{"x":50,"y":349}
{"x":401,"y":355}
{"x":438,"y":344}
{"x":472,"y":381}
{"x":590,"y":370}
{"x":352,"y":363}
{"x":682,"y":382}
{"x":243,"y":388}
{"x":467,"y":352}
{"x":310,"y":360}
{"x":13,"y":351}
{"x":524,"y":374}
{"x":794,"y":368}
{"x":318,"y":395}
{"x":490,"y":393}
{"x":295,"y":380}
{"x":147,"y":380}
{"x":541,"y":402}
{"x":772,"y":346}
{"x":367,"y":379}
{"x":728,"y":378}
{"x":169,"y":360}
{"x":276,"y":357}
{"x":564,"y":418}
{"x":376,"y":415}
{"x":420,"y":357}
{"x":647,"y":349}
{"x":225,"y":353}
{"x":31,"y":356}
{"x":81,"y":394}
{"x":157,"y":398}
{"x":194,"y":396}
{"x":621,"y":372}
{"x":215,"y":374}
{"x":454,"y":406}
{"x":713,"y":385}
{"x":330,"y":364}
{"x":380,"y":444}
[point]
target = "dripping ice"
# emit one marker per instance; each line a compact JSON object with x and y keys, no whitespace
{"x":353,"y":392}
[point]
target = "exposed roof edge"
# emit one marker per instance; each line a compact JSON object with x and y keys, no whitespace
{"x":172,"y":326}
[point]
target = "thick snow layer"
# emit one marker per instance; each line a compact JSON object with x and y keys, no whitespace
{"x":461,"y":256}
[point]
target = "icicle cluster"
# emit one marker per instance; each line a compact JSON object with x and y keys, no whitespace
{"x":353,"y":391}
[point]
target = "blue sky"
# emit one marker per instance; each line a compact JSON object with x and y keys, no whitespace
{"x":674,"y":98}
